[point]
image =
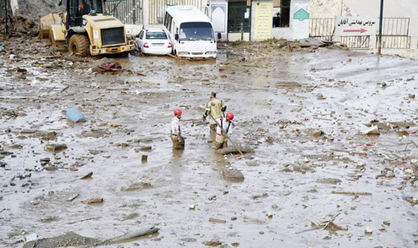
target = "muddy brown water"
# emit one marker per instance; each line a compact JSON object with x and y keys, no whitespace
{"x":302,"y":112}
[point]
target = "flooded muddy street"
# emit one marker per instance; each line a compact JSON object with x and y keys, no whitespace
{"x":333,"y":132}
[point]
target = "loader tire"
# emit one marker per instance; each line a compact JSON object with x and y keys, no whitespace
{"x":79,"y":45}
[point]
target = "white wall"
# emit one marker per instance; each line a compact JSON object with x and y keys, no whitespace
{"x":392,"y":8}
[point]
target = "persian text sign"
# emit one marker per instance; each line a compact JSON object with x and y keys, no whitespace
{"x":263,"y":20}
{"x":354,"y":26}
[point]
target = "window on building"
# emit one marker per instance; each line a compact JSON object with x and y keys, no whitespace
{"x":281,"y":13}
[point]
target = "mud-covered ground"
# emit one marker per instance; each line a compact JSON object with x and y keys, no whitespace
{"x":314,"y":180}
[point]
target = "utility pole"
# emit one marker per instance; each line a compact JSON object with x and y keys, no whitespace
{"x":379,"y":47}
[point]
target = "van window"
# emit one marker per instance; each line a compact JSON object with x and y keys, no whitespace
{"x":196,"y":31}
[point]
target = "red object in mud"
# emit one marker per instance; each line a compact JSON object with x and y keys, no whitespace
{"x":369,"y":144}
{"x":108,"y":66}
{"x":229,"y":116}
{"x":304,"y":119}
{"x":177,"y":112}
{"x":412,"y":132}
{"x":73,"y":169}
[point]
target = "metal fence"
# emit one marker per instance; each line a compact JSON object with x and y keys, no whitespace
{"x":356,"y":42}
{"x":322,"y":28}
{"x":157,"y":8}
{"x":395,"y":33}
{"x":127,"y":11}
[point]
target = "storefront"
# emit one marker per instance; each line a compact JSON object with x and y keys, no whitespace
{"x":260,"y":19}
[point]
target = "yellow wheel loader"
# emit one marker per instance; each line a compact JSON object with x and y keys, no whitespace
{"x":85,"y":29}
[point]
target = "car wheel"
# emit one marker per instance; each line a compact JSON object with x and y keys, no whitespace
{"x":79,"y":45}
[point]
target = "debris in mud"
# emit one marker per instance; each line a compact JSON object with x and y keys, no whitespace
{"x":329,"y":180}
{"x":288,"y":85}
{"x":235,"y":150}
{"x":30,"y":237}
{"x":137,"y":186}
{"x":73,"y":197}
{"x":50,"y":168}
{"x":145,"y":148}
{"x":107,"y":67}
{"x":144,"y":158}
{"x":95,"y":133}
{"x":55,"y":148}
{"x":255,"y":197}
{"x":314,"y":132}
{"x":232,"y":174}
{"x":368,"y":231}
{"x":328,"y":225}
{"x":131,"y":235}
{"x":374,"y":130}
{"x":212,"y":243}
{"x":93,"y":201}
{"x":75,"y":115}
{"x":411,"y":200}
{"x":131,"y":216}
{"x":215,"y":220}
{"x":252,"y":163}
{"x":350,"y":193}
{"x":44,"y":161}
{"x":49,"y":219}
{"x":47,"y":135}
{"x":65,"y":240}
{"x":73,"y":239}
{"x":88,"y":176}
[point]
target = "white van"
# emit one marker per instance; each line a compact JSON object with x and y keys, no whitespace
{"x":191,"y":32}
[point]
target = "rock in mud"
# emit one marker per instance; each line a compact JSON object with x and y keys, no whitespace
{"x":55,"y":148}
{"x":44,"y":161}
{"x":252,"y":163}
{"x":47,"y":135}
{"x":93,"y":201}
{"x":288,"y":85}
{"x":144,"y":158}
{"x":329,"y":180}
{"x":212,"y":243}
{"x":137,"y":186}
{"x":235,"y":150}
{"x":88,"y":176}
{"x":131,"y":216}
{"x":314,"y":132}
{"x":232,"y":174}
{"x":145,"y":148}
{"x":50,"y":168}
{"x":65,"y":240}
{"x":95,"y":133}
{"x":49,"y":219}
{"x":215,"y":220}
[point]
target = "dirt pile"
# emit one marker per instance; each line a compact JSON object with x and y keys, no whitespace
{"x":33,"y":9}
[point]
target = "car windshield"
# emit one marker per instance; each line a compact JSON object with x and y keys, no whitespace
{"x":156,"y":35}
{"x":196,"y":31}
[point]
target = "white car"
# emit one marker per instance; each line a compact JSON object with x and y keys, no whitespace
{"x":153,"y":41}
